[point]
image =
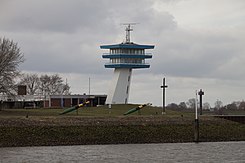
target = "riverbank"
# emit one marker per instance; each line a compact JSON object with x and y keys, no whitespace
{"x":79,"y":130}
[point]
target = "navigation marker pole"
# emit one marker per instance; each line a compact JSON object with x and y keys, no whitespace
{"x":200,"y":93}
{"x":196,"y":132}
{"x":163,"y":96}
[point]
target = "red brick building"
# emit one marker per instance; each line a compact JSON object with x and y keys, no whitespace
{"x":50,"y":101}
{"x":58,"y":101}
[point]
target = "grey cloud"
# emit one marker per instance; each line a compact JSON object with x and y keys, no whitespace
{"x":195,"y":56}
{"x":65,"y":36}
{"x":63,"y":56}
{"x":55,"y":15}
{"x":62,"y":36}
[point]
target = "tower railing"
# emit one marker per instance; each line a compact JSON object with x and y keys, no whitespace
{"x":108,"y":55}
{"x":127,"y":53}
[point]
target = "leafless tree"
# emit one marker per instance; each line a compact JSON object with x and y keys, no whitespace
{"x":191,"y":103}
{"x":32,"y":83}
{"x":206,"y":106}
{"x":10,"y":58}
{"x":242,"y":105}
{"x":231,"y":106}
{"x":45,"y":84}
{"x":65,"y":89}
{"x":53,"y":84}
{"x":182,"y":105}
{"x":237,"y":103}
{"x":218,"y":104}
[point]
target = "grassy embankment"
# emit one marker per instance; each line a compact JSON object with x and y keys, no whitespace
{"x":99,"y":125}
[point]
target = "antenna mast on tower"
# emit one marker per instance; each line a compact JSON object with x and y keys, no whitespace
{"x":128,"y":29}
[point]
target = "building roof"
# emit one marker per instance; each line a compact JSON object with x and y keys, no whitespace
{"x":127,"y":46}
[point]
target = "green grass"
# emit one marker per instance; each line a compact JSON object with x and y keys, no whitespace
{"x":220,"y":130}
{"x":115,"y":111}
{"x":234,"y":112}
{"x":101,"y":125}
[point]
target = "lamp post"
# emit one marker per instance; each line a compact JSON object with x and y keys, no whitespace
{"x":163,"y":96}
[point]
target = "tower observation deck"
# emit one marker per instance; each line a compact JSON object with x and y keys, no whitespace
{"x":124,"y":57}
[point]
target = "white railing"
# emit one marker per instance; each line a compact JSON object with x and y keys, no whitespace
{"x":22,"y":98}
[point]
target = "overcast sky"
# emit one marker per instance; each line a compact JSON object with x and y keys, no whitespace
{"x":199,"y":44}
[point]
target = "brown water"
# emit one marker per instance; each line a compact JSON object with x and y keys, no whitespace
{"x":168,"y":152}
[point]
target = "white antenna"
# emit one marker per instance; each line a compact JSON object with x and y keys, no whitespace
{"x":89,"y":86}
{"x":128,"y":29}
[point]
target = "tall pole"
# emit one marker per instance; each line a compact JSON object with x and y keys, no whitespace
{"x":196,"y":116}
{"x":163,"y":96}
{"x":196,"y":132}
{"x":89,"y":86}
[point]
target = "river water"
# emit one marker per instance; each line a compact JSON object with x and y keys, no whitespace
{"x":167,"y":152}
